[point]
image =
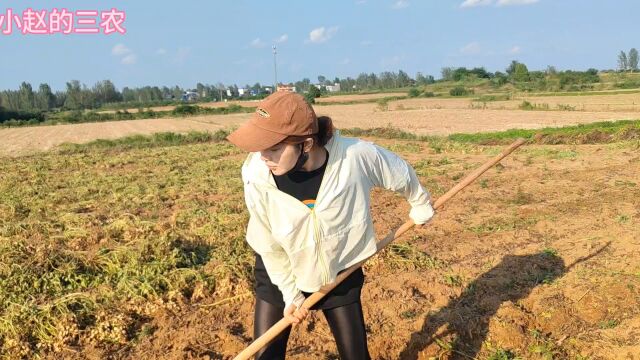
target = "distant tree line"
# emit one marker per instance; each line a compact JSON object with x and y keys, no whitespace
{"x":27,"y":103}
{"x":104,"y":94}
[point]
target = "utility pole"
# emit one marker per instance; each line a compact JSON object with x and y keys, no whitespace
{"x":275,"y":70}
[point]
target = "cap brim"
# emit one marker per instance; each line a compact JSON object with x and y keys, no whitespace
{"x":252,"y":138}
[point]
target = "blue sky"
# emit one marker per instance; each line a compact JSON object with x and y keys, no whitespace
{"x":185,"y":42}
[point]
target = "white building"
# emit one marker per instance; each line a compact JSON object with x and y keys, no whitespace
{"x":333,"y":88}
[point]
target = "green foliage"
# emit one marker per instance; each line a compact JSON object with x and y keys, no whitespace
{"x":146,"y":141}
{"x":460,"y":91}
{"x":90,"y":253}
{"x":312,"y":94}
{"x":525,"y":105}
{"x":182,"y":110}
{"x":383,"y":104}
{"x":414,"y":92}
{"x":493,"y":97}
{"x":569,"y":78}
{"x":597,"y":132}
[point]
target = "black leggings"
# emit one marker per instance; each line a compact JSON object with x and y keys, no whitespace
{"x":346,"y":323}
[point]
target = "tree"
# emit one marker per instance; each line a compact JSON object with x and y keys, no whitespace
{"x":521,"y":73}
{"x":45,"y":98}
{"x":201,"y":90}
{"x":74,"y":95}
{"x":518,"y":71}
{"x":321,"y":79}
{"x":313,"y":93}
{"x":27,"y":99}
{"x":403,"y":79}
{"x":481,"y":73}
{"x":105,"y":92}
{"x":447,"y":73}
{"x":623,"y":63}
{"x":633,"y":59}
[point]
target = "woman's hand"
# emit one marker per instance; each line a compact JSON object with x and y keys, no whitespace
{"x":295,"y":315}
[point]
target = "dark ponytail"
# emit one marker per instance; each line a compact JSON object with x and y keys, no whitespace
{"x":325,"y":133}
{"x":325,"y":130}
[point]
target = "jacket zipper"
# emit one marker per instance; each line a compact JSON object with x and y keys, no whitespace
{"x":321,"y":259}
{"x":324,"y":265}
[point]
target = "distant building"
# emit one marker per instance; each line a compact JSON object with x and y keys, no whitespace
{"x":189,"y":96}
{"x":288,"y":88}
{"x":333,"y":88}
{"x":330,"y":88}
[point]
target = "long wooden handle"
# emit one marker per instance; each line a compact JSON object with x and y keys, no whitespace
{"x":281,"y":325}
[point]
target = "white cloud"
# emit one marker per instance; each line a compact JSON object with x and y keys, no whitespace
{"x":400,"y":4}
{"x":257,"y":43}
{"x":120,"y":49}
{"x":360,"y":2}
{"x":129,"y":59}
{"x":282,"y":38}
{"x":472,"y":48}
{"x":515,"y":50}
{"x":515,"y":2}
{"x":474,"y":3}
{"x":321,"y":34}
{"x":161,"y":51}
{"x":345,"y":61}
{"x":366,"y":42}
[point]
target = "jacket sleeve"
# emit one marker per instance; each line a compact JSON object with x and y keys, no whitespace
{"x":387,"y":170}
{"x":276,"y":260}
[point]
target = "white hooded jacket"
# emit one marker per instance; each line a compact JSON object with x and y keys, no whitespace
{"x":304,"y":249}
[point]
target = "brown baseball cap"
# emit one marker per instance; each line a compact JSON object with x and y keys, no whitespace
{"x":278,"y":116}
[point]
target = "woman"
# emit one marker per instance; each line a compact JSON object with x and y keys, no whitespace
{"x":307,"y":191}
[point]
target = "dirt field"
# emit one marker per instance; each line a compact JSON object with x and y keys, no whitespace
{"x":340,"y":98}
{"x":540,"y":259}
{"x":422,"y":116}
{"x":252,"y":103}
{"x":19,"y":141}
{"x":589,"y":103}
{"x":207,"y":105}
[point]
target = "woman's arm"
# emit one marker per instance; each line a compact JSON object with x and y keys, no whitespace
{"x":276,"y":260}
{"x":387,"y":170}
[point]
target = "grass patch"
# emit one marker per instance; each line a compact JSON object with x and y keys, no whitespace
{"x":383,"y":100}
{"x":525,"y":105}
{"x":608,"y":324}
{"x":453,"y":280}
{"x":92,"y":243}
{"x":146,"y":141}
{"x":593,"y":133}
{"x":499,"y":224}
{"x":76,"y":116}
{"x":493,"y":97}
{"x":408,"y":257}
